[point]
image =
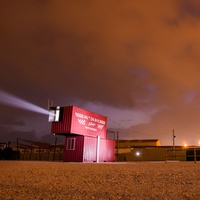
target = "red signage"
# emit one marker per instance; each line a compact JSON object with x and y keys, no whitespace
{"x":88,"y":123}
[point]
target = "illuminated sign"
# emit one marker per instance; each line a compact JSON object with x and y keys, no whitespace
{"x":88,"y":123}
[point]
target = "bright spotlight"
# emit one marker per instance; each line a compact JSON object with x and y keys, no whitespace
{"x":137,"y":153}
{"x":55,"y":114}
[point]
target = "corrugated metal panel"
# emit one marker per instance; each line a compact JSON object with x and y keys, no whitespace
{"x":84,"y":149}
{"x":107,"y":150}
{"x":63,"y":126}
{"x":88,"y":123}
{"x":74,"y":148}
{"x":90,"y":148}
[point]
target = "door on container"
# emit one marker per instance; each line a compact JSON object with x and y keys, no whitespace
{"x":90,"y":149}
{"x":74,"y":149}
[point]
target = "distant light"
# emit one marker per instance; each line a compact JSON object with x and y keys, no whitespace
{"x":137,"y":153}
{"x":185,"y":145}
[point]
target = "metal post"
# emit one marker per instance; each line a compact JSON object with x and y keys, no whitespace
{"x":30,"y":155}
{"x":39,"y":153}
{"x":195,"y":156}
{"x":18,"y":154}
{"x":117,"y":143}
{"x":54,"y":149}
{"x":17,"y":144}
{"x":165,"y":155}
{"x":98,"y":147}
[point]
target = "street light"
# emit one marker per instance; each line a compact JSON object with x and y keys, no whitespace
{"x":185,"y":145}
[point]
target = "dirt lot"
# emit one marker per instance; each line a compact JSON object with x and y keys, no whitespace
{"x":59,"y":180}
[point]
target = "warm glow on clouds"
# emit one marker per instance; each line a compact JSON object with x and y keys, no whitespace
{"x":135,"y":57}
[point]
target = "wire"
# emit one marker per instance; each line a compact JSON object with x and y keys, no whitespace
{"x":138,"y":132}
{"x":116,"y":123}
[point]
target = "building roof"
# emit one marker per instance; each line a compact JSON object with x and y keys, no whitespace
{"x":132,"y":143}
{"x":140,"y":141}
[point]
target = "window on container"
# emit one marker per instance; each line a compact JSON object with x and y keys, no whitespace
{"x":70,"y":144}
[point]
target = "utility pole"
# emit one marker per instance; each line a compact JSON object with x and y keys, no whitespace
{"x":173,"y":140}
{"x":54,"y":152}
{"x":174,"y":145}
{"x":117,"y":143}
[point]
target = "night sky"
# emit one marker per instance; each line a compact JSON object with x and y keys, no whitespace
{"x":136,"y":62}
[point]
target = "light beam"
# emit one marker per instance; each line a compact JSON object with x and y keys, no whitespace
{"x":11,"y":100}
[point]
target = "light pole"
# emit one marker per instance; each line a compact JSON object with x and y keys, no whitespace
{"x":173,"y":140}
{"x":174,"y":144}
{"x":117,"y":143}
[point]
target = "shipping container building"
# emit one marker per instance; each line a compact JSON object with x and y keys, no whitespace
{"x":80,"y":148}
{"x":74,"y":120}
{"x":85,"y":132}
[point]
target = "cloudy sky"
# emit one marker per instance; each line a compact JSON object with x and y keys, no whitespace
{"x":136,"y":62}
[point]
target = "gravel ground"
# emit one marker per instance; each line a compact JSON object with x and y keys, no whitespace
{"x":58,"y":180}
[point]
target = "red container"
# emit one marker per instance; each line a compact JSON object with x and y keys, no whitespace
{"x":79,"y":121}
{"x":88,"y":149}
{"x":106,"y":153}
{"x":64,"y":126}
{"x":85,"y":135}
{"x":74,"y":148}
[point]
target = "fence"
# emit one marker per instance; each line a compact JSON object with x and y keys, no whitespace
{"x":164,"y":154}
{"x":182,"y":154}
{"x":48,"y":154}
